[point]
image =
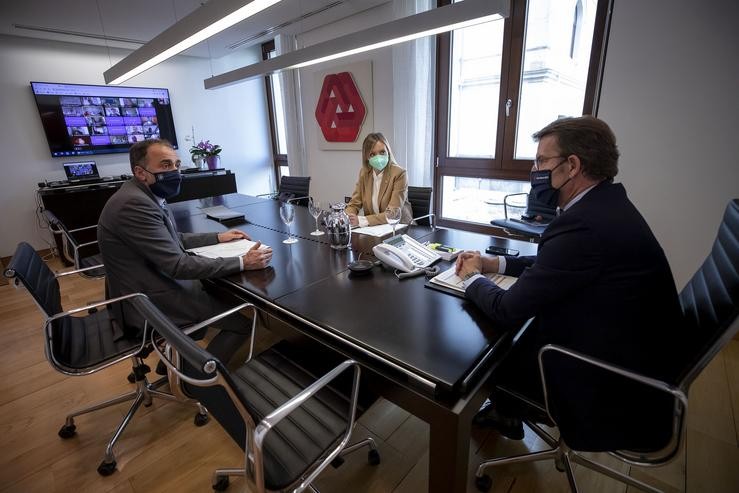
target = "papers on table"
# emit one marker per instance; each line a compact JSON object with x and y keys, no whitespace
{"x":379,"y":230}
{"x":222,"y":213}
{"x":235,"y":248}
{"x":450,"y":280}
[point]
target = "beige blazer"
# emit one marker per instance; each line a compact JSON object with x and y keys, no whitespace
{"x":393,"y":192}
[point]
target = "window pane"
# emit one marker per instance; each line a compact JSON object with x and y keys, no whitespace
{"x":555,"y":65}
{"x":480,"y":200}
{"x":284,"y":171}
{"x":475,"y":89}
{"x":279,"y":114}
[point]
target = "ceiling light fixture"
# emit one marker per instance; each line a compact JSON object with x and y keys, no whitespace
{"x":442,"y":19}
{"x":206,"y":21}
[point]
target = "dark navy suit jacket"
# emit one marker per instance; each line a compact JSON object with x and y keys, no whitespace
{"x":600,"y":284}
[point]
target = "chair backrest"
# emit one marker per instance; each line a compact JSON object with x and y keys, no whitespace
{"x":536,"y":208}
{"x":293,"y":187}
{"x":710,"y":300}
{"x":27,"y":267}
{"x":420,"y":199}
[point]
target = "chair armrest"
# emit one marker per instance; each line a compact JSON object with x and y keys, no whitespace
{"x":273,"y":418}
{"x":505,"y":201}
{"x":293,"y":199}
{"x":430,"y":215}
{"x":205,"y":323}
{"x":77,"y":271}
{"x":94,"y":305}
{"x":84,"y":228}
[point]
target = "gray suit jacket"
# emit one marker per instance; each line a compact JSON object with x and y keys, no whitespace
{"x":143,"y":252}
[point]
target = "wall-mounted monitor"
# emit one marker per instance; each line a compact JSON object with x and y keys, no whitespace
{"x":81,"y":119}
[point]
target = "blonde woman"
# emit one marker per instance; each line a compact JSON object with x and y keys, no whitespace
{"x":382,"y":184}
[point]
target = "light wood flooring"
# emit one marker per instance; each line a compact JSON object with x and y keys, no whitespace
{"x":162,"y":451}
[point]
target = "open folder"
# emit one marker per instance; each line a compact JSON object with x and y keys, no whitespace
{"x":451,"y":283}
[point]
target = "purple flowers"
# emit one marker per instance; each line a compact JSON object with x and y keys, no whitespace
{"x":205,"y":149}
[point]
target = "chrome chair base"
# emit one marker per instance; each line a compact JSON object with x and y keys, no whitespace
{"x":563,"y":457}
{"x":144,"y":394}
{"x":220,"y":479}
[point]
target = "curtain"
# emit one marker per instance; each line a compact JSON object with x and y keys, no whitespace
{"x":414,"y":69}
{"x":290,"y":80}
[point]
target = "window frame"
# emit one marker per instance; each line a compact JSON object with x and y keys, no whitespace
{"x":503,"y":166}
{"x":279,"y":160}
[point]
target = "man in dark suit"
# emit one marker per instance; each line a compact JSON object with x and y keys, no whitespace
{"x":599,"y":284}
{"x":143,"y":252}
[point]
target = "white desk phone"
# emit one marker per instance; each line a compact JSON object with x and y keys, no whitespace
{"x":404,"y":253}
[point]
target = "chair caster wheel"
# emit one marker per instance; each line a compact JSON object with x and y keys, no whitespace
{"x":373,"y":457}
{"x":131,"y":378}
{"x":483,"y":483}
{"x":337,"y":462}
{"x":201,"y":419}
{"x":221,"y":484}
{"x":67,"y":431}
{"x":106,"y":468}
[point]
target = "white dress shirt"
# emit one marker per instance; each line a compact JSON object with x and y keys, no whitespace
{"x":376,"y":182}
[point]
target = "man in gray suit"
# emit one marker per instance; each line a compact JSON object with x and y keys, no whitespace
{"x":143,"y":251}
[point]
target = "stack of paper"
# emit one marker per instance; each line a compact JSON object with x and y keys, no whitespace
{"x":235,"y":248}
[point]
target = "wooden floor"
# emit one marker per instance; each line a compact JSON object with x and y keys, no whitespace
{"x":162,"y":451}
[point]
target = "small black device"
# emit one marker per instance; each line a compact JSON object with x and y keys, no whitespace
{"x":82,"y":171}
{"x":496,"y":250}
{"x":361,"y":266}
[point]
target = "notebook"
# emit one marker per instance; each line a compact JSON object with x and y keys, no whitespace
{"x":224,"y":214}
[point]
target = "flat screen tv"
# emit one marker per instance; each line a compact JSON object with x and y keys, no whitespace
{"x":81,"y":119}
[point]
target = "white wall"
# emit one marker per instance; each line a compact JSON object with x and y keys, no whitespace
{"x":234,"y":117}
{"x":334,"y":173}
{"x":671,"y":95}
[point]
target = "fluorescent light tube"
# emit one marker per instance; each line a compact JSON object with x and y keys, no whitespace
{"x":435,"y":21}
{"x":206,"y":21}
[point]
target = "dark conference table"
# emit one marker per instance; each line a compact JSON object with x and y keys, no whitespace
{"x":429,"y":352}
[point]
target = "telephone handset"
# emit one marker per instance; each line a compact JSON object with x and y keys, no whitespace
{"x":394,"y":257}
{"x":404,"y":253}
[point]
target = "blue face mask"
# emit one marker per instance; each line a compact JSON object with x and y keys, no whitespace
{"x":167,"y":183}
{"x":379,"y":161}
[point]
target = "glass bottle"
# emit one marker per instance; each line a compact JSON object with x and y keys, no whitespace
{"x":338,"y":227}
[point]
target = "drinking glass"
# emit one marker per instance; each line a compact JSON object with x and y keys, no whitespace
{"x":314,"y":207}
{"x":392,"y":214}
{"x":287,"y":213}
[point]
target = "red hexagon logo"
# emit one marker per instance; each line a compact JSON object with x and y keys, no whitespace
{"x":340,"y":110}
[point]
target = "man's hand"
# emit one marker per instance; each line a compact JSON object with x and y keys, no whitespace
{"x":468,"y":263}
{"x":353,"y":220}
{"x":257,"y":259}
{"x":232,"y":234}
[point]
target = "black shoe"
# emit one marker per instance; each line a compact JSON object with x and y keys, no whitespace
{"x":488,"y":417}
{"x":161,"y":368}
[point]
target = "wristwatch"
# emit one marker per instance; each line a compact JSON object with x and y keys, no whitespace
{"x":470,"y":274}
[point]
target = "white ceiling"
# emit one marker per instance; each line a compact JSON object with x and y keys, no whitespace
{"x":129,"y":23}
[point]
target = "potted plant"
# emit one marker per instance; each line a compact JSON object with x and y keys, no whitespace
{"x":207,"y":152}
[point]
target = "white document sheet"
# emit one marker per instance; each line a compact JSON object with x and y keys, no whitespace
{"x":234,"y":248}
{"x":379,"y":230}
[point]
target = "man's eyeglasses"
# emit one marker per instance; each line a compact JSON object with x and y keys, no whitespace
{"x":539,"y":160}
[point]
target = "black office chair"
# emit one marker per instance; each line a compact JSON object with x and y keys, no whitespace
{"x":529,"y":225}
{"x":86,"y":340}
{"x":290,"y":424}
{"x":295,"y":189}
{"x":710,"y":304}
{"x":77,"y":246}
{"x":420,"y":199}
